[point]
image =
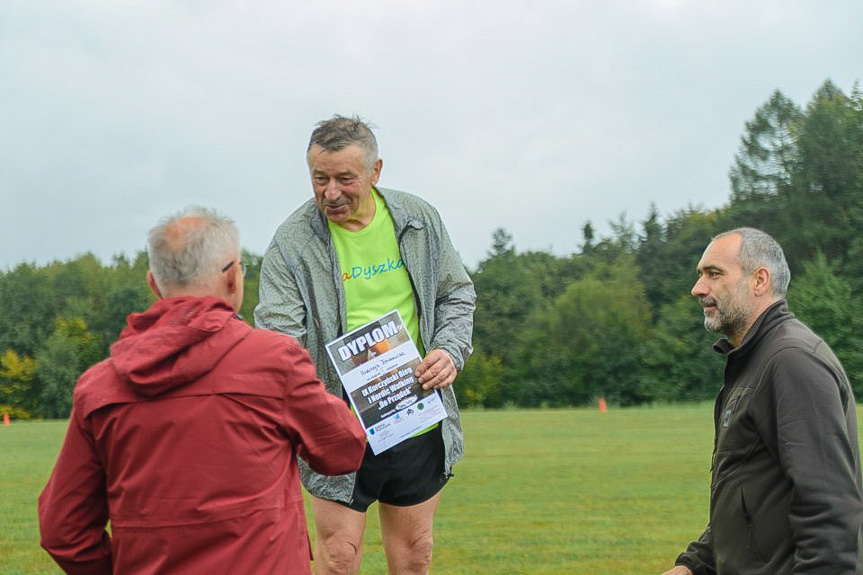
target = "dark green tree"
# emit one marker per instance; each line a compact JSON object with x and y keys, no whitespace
{"x":679,"y":362}
{"x":588,"y":235}
{"x":768,"y":155}
{"x":765,"y":166}
{"x":250,"y":285}
{"x":589,"y":342}
{"x":650,"y":257}
{"x":481,"y":384}
{"x":826,"y":302}
{"x":120,"y":302}
{"x":823,"y":212}
{"x":667,"y":254}
{"x":57,"y":370}
{"x":28,"y":306}
{"x":507,"y":292}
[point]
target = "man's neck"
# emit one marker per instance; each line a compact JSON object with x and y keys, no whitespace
{"x":756,"y":313}
{"x":363,"y":216}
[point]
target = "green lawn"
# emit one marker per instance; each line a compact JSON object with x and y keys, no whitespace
{"x":539,"y":491}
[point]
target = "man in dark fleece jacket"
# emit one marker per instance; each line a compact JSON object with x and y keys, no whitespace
{"x":186,"y":438}
{"x":785,"y":493}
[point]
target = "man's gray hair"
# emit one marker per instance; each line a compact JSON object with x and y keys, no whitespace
{"x":758,"y":249}
{"x":183,"y":254}
{"x":339,"y":132}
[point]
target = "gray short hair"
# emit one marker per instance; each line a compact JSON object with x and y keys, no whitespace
{"x":339,"y":132}
{"x":758,"y":249}
{"x":182,"y":255}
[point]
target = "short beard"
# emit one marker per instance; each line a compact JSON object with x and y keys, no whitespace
{"x":733,"y":316}
{"x":729,"y":322}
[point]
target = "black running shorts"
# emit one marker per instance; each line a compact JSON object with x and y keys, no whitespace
{"x":406,"y":474}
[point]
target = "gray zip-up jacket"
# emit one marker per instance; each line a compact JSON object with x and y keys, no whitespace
{"x":302,"y":295}
{"x":785,"y":493}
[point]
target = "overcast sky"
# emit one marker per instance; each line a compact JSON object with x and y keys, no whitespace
{"x":534,"y":115}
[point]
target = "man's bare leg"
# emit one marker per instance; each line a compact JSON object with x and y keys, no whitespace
{"x":407,"y":536}
{"x":338,"y":538}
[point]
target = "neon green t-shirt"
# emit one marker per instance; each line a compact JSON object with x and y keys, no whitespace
{"x":374,"y":275}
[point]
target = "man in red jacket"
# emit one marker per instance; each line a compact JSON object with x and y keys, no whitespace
{"x":186,"y":437}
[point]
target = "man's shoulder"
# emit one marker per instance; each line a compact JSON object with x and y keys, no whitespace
{"x":403,"y":199}
{"x":267,"y":339}
{"x":271,"y":357}
{"x":97,"y":386}
{"x":300,"y":219}
{"x":94,"y":376}
{"x":407,"y":205}
{"x":793,"y":334}
{"x":295,"y":235}
{"x":793,"y":348}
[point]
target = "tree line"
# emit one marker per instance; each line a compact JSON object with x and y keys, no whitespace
{"x":614,"y":319}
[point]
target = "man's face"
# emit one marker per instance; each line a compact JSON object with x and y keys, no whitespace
{"x":723,"y":289}
{"x":342,"y":183}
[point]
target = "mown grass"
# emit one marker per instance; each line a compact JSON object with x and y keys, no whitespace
{"x":539,"y":492}
{"x":576,"y":491}
{"x":27,"y":454}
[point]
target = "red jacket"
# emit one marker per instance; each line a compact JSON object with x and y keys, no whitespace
{"x":186,"y":439}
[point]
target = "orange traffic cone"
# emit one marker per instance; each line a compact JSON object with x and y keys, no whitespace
{"x":602,"y":406}
{"x":6,"y":419}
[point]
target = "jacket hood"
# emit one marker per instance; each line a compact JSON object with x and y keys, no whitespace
{"x":176,"y":341}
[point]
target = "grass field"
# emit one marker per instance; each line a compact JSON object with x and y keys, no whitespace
{"x":539,"y":492}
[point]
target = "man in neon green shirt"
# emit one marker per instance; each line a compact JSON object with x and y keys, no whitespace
{"x":350,"y":255}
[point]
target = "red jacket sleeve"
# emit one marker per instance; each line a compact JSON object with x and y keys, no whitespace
{"x":328,"y":436}
{"x":73,"y":507}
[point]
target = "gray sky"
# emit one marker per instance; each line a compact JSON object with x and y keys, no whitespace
{"x":534,"y":115}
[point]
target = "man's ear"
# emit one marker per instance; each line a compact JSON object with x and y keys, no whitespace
{"x":761,"y":281}
{"x":234,"y":278}
{"x":151,"y":282}
{"x":376,"y":171}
